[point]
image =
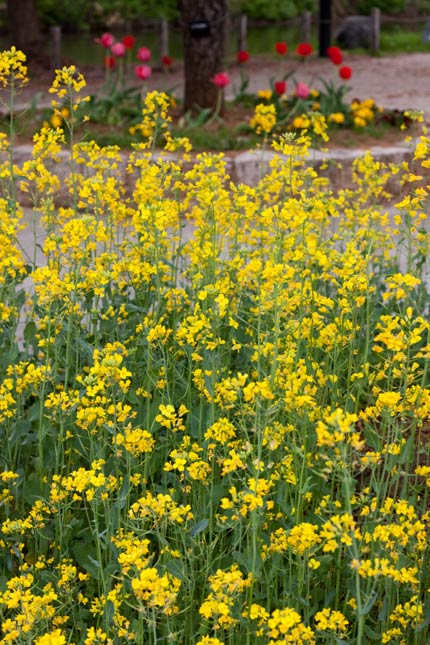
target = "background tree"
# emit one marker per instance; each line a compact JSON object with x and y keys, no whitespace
{"x":23,"y":26}
{"x":203,"y":54}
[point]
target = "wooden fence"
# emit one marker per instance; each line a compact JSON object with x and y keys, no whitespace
{"x":240,"y":25}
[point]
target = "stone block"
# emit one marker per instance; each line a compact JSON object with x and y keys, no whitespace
{"x":355,"y":32}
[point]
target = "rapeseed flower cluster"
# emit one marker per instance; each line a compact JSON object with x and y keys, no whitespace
{"x":214,"y":398}
{"x":264,"y":119}
{"x":155,"y":117}
{"x":13,"y":70}
{"x":363,"y":112}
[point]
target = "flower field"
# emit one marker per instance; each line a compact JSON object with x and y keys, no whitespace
{"x":215,"y":440}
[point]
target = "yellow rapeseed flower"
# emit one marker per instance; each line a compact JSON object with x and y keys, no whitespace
{"x":336,"y":117}
{"x":13,"y":70}
{"x":264,"y":119}
{"x":52,"y":638}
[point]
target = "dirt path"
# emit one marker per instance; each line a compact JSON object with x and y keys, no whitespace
{"x":401,"y":81}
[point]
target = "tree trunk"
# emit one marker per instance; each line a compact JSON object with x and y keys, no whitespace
{"x":204,"y":44}
{"x":23,"y":26}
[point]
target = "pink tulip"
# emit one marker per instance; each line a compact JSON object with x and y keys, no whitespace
{"x":143,"y":54}
{"x":142,"y":72}
{"x":118,"y":50}
{"x":106,"y":40}
{"x":302,"y":91}
{"x":221,"y":80}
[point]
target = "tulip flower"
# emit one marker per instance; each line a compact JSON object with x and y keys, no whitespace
{"x":335,"y":55}
{"x":304,"y":49}
{"x":142,"y":72}
{"x":345,"y":72}
{"x":118,"y":50}
{"x":129,"y":42}
{"x":242,"y":56}
{"x":280,"y":87}
{"x":302,"y":91}
{"x":281,"y":48}
{"x":143,"y":54}
{"x":106,"y":40}
{"x":221,"y":80}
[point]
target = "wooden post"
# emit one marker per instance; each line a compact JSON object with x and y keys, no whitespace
{"x":164,"y":37}
{"x":229,"y":26}
{"x":55,"y":47}
{"x":306,"y":27}
{"x":242,"y":43}
{"x":324,"y":31}
{"x":375,"y":15}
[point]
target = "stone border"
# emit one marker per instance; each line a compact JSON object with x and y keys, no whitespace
{"x":249,"y":167}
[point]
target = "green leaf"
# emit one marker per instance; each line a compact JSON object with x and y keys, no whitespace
{"x":85,"y":555}
{"x":372,"y":634}
{"x":33,"y":489}
{"x":123,"y":493}
{"x":176,"y":568}
{"x":199,"y":527}
{"x":30,"y":333}
{"x":369,"y":603}
{"x":109,"y":612}
{"x":20,"y":431}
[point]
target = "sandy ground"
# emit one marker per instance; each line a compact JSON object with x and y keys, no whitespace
{"x":401,"y":81}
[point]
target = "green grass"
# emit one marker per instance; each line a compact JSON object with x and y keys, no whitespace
{"x":396,"y":40}
{"x":222,"y":139}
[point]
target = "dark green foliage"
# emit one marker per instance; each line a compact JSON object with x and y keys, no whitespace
{"x":82,"y":15}
{"x":272,"y":9}
{"x":386,"y":6}
{"x":71,"y":16}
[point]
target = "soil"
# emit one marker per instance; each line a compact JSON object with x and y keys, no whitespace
{"x":395,"y":82}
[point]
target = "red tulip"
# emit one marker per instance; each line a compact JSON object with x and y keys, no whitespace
{"x":281,"y":48}
{"x":280,"y":87}
{"x":304,"y":49}
{"x":345,"y":72}
{"x":335,"y":55}
{"x":129,"y":42}
{"x":109,"y":62}
{"x":242,"y":56}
